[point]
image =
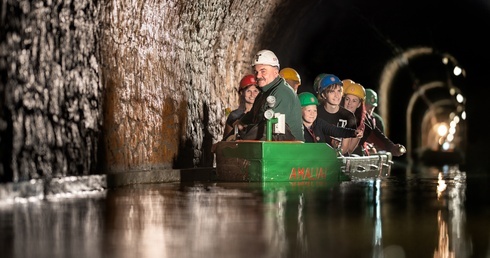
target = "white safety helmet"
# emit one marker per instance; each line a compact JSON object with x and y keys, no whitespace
{"x":266,"y":57}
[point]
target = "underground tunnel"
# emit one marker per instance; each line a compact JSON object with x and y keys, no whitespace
{"x":121,"y":86}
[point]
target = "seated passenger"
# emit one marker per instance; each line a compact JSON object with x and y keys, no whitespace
{"x":266,"y":70}
{"x":353,"y":100}
{"x":371,"y":104}
{"x":316,"y":129}
{"x":373,"y":137}
{"x":330,"y":90}
{"x":247,"y":92}
{"x":292,"y":78}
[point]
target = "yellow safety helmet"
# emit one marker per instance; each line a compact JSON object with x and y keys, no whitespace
{"x":347,"y":82}
{"x":290,"y":74}
{"x":355,"y":89}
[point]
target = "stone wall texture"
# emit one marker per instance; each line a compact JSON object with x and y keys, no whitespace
{"x":50,"y":107}
{"x":170,"y":68}
{"x":93,"y":87}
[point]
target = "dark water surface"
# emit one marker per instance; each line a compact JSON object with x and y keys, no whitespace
{"x":435,"y":212}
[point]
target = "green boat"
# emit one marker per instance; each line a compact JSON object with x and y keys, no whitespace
{"x":292,"y":161}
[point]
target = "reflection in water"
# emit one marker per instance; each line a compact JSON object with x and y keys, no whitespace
{"x":451,"y":222}
{"x":56,"y":227}
{"x":275,"y":223}
{"x":378,"y":228}
{"x":159,"y":221}
{"x":398,"y":217}
{"x":301,"y":236}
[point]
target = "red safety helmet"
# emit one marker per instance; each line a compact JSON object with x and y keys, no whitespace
{"x":246,"y":81}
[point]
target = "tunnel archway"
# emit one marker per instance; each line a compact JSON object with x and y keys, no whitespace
{"x":434,"y":100}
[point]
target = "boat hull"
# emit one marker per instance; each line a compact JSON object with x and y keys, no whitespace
{"x":291,"y":161}
{"x":278,"y":161}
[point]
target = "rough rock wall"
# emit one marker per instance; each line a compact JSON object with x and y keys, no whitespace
{"x":50,"y":105}
{"x":109,"y":86}
{"x":170,"y":69}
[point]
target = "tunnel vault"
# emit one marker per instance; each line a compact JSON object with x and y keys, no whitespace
{"x":95,"y":87}
{"x":428,"y":78}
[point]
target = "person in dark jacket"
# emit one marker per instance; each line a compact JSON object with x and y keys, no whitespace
{"x":330,"y":91}
{"x":373,"y":139}
{"x":353,"y":100}
{"x":371,"y":104}
{"x":248,"y":91}
{"x":316,"y":129}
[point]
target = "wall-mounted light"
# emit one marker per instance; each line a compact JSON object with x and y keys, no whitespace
{"x":457,"y":70}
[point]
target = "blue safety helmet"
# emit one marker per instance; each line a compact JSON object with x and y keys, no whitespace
{"x":328,"y":80}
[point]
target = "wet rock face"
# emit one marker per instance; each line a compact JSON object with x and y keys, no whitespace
{"x":51,"y":110}
{"x":170,"y":70}
{"x":101,"y":87}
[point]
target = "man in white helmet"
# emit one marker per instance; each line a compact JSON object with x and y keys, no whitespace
{"x":266,"y":69}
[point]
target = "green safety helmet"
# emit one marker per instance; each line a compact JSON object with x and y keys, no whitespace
{"x":371,"y":97}
{"x":316,"y":83}
{"x":307,"y":98}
